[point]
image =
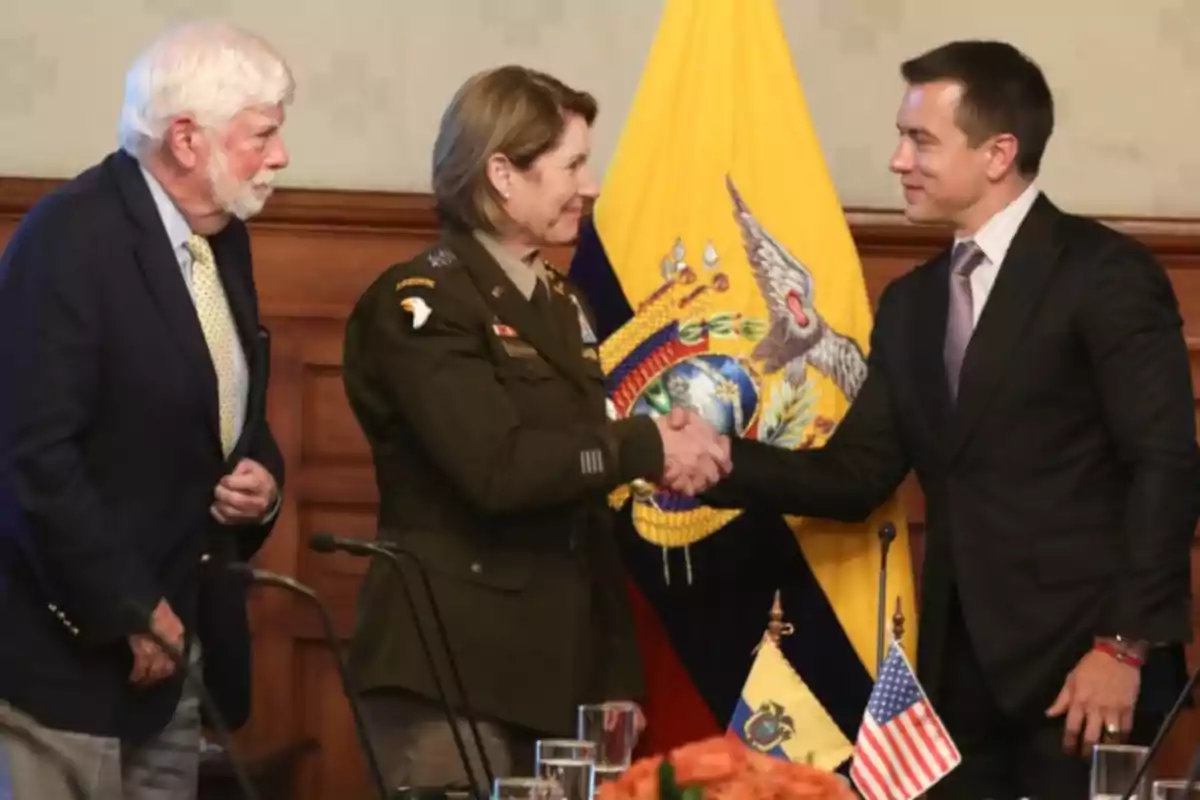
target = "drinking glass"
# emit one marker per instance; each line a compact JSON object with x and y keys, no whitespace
{"x":570,"y":762}
{"x":1113,"y":767}
{"x":1173,"y":790}
{"x":526,"y":789}
{"x":612,"y":727}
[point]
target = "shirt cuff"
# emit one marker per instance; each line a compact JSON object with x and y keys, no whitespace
{"x":269,"y":517}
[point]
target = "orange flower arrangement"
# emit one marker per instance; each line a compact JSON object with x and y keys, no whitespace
{"x":723,"y":768}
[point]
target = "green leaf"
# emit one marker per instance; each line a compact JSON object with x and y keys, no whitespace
{"x":752,"y":328}
{"x":667,"y":790}
{"x":691,"y":333}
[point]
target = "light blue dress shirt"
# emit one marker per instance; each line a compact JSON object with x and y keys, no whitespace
{"x":178,"y":232}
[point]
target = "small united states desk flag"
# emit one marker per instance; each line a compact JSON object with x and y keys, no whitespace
{"x":902,"y":748}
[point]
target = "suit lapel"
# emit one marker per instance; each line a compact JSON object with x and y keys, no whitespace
{"x":161,"y":271}
{"x":541,"y":332}
{"x":231,"y":261}
{"x":230,"y":264}
{"x":1016,"y":293}
{"x":929,"y":338}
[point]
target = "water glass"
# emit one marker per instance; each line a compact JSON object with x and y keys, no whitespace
{"x":1113,"y":767}
{"x":526,"y":789}
{"x":1173,"y":790}
{"x":612,"y":727}
{"x":570,"y":762}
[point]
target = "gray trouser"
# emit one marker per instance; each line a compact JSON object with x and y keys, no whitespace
{"x":164,"y":767}
{"x":416,"y":747}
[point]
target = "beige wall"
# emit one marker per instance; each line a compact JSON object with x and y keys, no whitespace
{"x":374,"y":75}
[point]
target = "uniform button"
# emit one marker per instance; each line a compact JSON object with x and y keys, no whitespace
{"x":477,"y":568}
{"x":204,"y":559}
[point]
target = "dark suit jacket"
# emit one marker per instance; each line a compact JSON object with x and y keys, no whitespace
{"x":1061,"y":490}
{"x":493,"y":458}
{"x":109,"y":455}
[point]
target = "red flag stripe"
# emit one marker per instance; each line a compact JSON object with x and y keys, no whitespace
{"x":867,"y":777}
{"x":903,"y":756}
{"x":920,"y":722}
{"x":878,"y":746}
{"x":917,"y":744}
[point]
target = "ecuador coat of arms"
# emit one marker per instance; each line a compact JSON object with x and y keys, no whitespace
{"x":748,"y":375}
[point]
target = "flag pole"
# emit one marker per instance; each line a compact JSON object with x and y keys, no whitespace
{"x":898,"y":622}
{"x":887,"y":533}
{"x":776,"y":627}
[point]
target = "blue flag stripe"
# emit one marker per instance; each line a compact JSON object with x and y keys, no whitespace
{"x":741,"y":715}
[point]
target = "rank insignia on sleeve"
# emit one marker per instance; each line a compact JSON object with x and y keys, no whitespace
{"x":410,"y":282}
{"x":419,"y":309}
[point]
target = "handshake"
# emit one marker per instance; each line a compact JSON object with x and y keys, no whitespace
{"x":695,"y":455}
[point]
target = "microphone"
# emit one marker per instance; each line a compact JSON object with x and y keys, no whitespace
{"x":887,"y":534}
{"x":328,"y":543}
{"x":21,"y":728}
{"x":224,"y":738}
{"x":1161,"y":736}
{"x":262,"y":576}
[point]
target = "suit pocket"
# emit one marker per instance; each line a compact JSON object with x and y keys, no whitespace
{"x":531,"y":367}
{"x":1074,"y":556}
{"x":450,"y":555}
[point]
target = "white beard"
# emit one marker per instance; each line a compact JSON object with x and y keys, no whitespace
{"x":242,"y":199}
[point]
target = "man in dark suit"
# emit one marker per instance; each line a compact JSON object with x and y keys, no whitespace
{"x":473,"y":369}
{"x":1056,"y":451}
{"x":135,"y":460}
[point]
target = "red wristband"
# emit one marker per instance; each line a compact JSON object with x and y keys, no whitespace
{"x":1124,"y":656}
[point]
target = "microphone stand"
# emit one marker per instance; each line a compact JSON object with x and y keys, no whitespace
{"x":391,"y":553}
{"x":887,"y":534}
{"x":224,"y":737}
{"x":1192,"y":784}
{"x":1161,"y":736}
{"x":262,"y":576}
{"x":21,"y":728}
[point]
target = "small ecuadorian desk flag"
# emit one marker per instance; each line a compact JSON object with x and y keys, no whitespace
{"x":778,"y":714}
{"x":724,"y":279}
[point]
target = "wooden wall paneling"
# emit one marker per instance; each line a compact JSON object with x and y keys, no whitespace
{"x":315,"y":252}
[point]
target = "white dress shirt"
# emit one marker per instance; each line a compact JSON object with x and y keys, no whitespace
{"x":994,"y":239}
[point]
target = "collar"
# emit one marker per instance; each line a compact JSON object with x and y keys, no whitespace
{"x":524,"y":273}
{"x":996,"y":235}
{"x":178,"y":230}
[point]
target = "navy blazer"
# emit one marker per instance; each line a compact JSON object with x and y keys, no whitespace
{"x":109,"y":455}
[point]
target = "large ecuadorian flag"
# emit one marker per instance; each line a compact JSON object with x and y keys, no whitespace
{"x":724,"y":277}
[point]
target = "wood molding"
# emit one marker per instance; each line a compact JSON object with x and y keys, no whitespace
{"x":876,"y":230}
{"x":315,"y":251}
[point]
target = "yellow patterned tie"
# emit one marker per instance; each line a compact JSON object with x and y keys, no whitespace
{"x":220,"y":332}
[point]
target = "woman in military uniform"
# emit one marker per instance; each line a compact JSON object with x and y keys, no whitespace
{"x":473,"y":370}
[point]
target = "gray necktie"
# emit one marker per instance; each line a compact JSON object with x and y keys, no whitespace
{"x":960,"y":319}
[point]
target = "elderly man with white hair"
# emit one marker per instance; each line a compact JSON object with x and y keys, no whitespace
{"x":135,"y":458}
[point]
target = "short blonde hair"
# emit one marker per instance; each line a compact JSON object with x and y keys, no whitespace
{"x":514,"y":111}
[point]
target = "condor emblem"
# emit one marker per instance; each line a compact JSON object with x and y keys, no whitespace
{"x":769,"y":727}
